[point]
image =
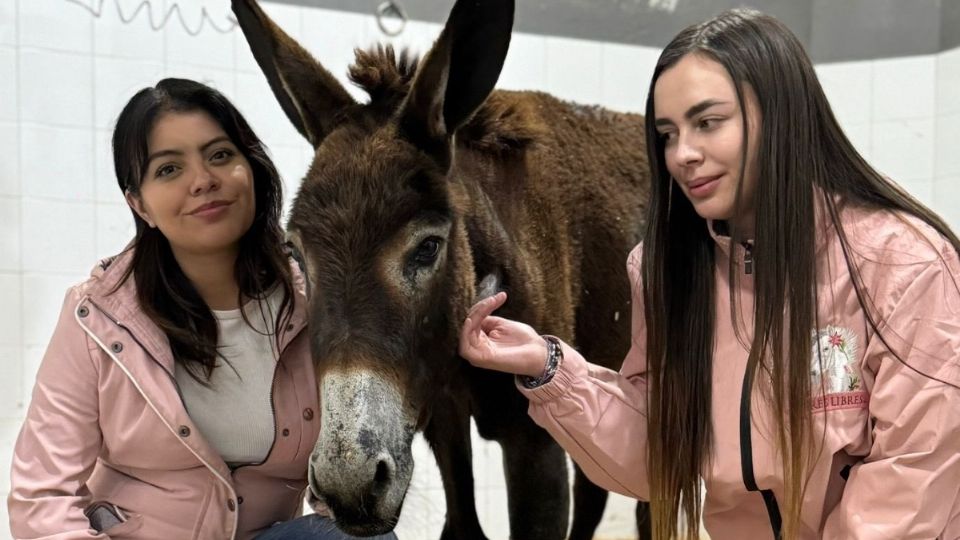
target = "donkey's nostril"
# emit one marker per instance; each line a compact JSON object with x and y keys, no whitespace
{"x":384,"y":472}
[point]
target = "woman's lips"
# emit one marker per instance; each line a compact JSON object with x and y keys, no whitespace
{"x":211,"y":210}
{"x":703,"y":186}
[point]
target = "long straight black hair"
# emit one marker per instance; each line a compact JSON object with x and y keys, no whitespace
{"x":803,"y":160}
{"x":163,"y":290}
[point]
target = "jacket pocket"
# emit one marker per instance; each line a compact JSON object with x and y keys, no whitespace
{"x":105,"y":518}
{"x":125,"y":529}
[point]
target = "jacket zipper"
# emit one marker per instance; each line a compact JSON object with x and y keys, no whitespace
{"x":748,"y":258}
{"x":746,"y":457}
{"x":746,"y":437}
{"x":273,"y":412}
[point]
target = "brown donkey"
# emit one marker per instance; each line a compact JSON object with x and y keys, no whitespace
{"x":436,"y":191}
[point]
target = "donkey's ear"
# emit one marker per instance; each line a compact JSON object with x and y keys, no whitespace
{"x":459,"y":72}
{"x":308,"y":93}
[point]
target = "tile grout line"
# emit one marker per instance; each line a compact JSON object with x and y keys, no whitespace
{"x":21,"y":345}
{"x":936,"y":124}
{"x":93,"y":133}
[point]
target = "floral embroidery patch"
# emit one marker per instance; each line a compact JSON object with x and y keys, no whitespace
{"x":834,"y":370}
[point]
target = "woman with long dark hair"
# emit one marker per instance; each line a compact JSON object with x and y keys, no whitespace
{"x":796,"y":319}
{"x":177,"y":397}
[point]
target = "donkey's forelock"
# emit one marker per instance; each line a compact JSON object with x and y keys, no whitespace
{"x":501,"y":125}
{"x":383,"y":74}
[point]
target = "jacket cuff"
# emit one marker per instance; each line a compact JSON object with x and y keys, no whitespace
{"x":572,"y":368}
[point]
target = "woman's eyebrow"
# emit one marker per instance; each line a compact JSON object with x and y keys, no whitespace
{"x":215,"y":140}
{"x":700,"y":107}
{"x":691,"y":112}
{"x":171,"y":152}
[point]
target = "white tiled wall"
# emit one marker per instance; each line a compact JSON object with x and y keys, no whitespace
{"x":65,"y":74}
{"x":889,"y":110}
{"x":946,"y":153}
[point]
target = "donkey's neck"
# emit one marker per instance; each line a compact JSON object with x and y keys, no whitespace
{"x":493,"y":215}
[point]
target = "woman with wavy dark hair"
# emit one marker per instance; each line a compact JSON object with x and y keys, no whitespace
{"x":177,"y":397}
{"x":796,"y":319}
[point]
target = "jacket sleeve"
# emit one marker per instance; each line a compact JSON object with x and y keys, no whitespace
{"x":598,"y":415}
{"x":60,"y":440}
{"x":908,"y":485}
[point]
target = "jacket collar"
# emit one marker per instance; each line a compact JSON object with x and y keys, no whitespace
{"x":119,"y":301}
{"x":823,"y":229}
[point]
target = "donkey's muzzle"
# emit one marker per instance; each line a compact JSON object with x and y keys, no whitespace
{"x":362,"y":463}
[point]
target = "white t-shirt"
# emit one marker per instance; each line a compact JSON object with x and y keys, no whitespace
{"x":235,"y":412}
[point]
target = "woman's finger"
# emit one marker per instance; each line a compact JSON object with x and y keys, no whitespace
{"x":471,"y":335}
{"x":469,"y":340}
{"x":490,"y":322}
{"x":485,"y":307}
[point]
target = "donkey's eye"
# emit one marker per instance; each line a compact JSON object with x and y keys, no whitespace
{"x":426,"y":253}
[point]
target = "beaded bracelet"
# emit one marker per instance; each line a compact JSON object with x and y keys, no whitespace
{"x":554,"y":359}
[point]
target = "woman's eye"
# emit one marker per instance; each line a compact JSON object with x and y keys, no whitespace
{"x":166,"y":170}
{"x":426,"y":253}
{"x":221,"y":155}
{"x":707,"y":123}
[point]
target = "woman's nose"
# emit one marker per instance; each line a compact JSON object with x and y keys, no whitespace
{"x":204,"y":181}
{"x":687,"y":151}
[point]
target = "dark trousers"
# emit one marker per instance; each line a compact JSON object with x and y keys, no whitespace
{"x":312,"y":527}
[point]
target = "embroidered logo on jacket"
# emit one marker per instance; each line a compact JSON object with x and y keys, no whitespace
{"x":834,"y":370}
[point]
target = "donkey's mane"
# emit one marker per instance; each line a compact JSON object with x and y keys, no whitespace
{"x":502,"y":124}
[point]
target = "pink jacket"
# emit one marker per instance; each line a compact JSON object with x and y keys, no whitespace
{"x":889,"y":466}
{"x":106,"y":423}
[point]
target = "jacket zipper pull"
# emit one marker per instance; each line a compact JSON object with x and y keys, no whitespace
{"x":747,"y":258}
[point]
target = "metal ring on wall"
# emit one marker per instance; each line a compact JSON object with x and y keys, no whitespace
{"x":390,"y":8}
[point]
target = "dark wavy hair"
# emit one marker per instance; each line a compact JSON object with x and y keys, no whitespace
{"x":163,"y":290}
{"x":804,"y":159}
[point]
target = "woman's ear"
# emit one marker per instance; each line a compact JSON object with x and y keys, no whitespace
{"x":137,"y":204}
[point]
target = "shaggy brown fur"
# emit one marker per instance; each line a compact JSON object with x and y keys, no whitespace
{"x":543,"y":195}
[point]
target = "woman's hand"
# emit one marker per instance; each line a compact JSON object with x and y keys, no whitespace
{"x":501,"y":344}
